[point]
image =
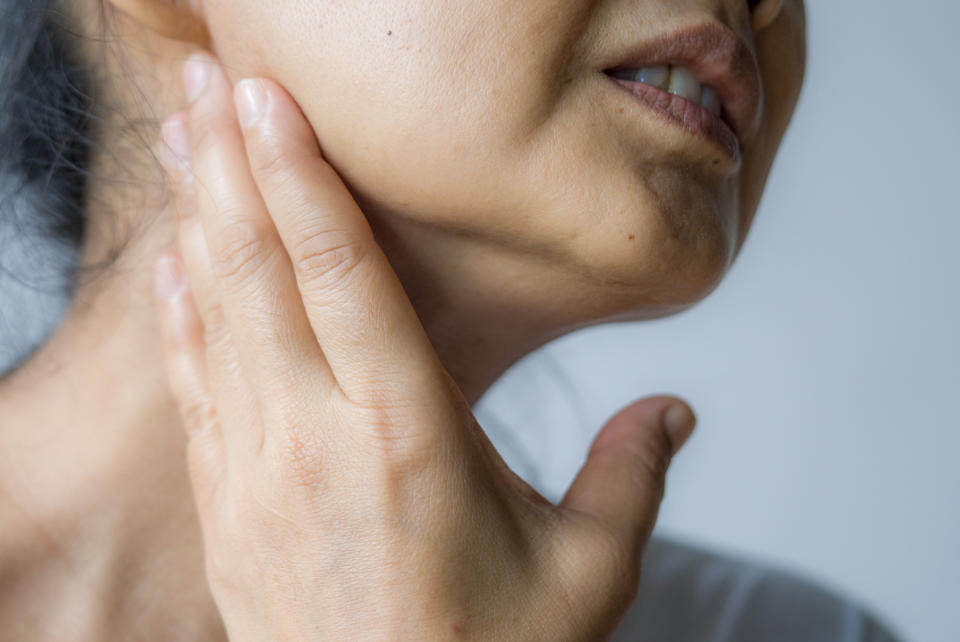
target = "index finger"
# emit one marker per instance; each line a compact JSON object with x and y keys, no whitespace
{"x":366,"y":325}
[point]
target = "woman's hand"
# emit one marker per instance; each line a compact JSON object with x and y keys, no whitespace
{"x":344,"y":487}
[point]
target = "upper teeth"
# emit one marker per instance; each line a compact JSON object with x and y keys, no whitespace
{"x":676,"y":79}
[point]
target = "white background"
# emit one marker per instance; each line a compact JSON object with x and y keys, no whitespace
{"x":825,"y":369}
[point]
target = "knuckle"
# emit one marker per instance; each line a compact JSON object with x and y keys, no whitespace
{"x":216,"y":334}
{"x":326,"y":259}
{"x":199,"y":417}
{"x":222,"y":351}
{"x":391,"y":435}
{"x":270,"y":156}
{"x":204,"y":134}
{"x":204,"y":466}
{"x":238,"y":252}
{"x":298,"y":455}
{"x":653,"y":460}
{"x":387,"y":429}
{"x":378,"y":395}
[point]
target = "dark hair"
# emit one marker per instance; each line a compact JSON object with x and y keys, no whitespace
{"x":45,"y":123}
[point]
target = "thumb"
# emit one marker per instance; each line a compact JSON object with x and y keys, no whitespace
{"x":622,"y":482}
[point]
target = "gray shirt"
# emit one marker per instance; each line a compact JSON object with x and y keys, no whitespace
{"x":688,"y":594}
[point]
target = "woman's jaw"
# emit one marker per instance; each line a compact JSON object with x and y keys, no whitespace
{"x":495,"y":126}
{"x":518,"y":192}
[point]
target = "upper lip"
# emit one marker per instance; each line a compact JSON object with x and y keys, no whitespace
{"x":717,"y":57}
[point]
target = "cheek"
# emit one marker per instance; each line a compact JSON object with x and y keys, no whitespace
{"x":454,"y":119}
{"x":413,"y":104}
{"x":385,"y":84}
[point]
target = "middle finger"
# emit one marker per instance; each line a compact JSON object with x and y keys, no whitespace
{"x":257,"y":285}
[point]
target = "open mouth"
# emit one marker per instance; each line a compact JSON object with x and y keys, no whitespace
{"x":675,"y":92}
{"x":703,"y":77}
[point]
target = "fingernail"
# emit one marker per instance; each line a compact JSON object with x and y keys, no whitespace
{"x":196,"y":74}
{"x":251,"y":99}
{"x":679,"y":421}
{"x":176,"y":137}
{"x":168,"y":278}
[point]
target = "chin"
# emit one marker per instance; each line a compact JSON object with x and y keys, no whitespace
{"x":691,"y":247}
{"x":651,"y":253}
{"x":686,"y":276}
{"x":680,"y":281}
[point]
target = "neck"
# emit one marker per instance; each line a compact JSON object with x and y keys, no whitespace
{"x":98,"y":535}
{"x":97,"y":526}
{"x":96,"y":515}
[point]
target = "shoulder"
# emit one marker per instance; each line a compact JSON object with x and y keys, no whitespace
{"x":690,"y":594}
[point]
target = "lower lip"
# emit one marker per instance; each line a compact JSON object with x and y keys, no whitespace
{"x":689,"y":115}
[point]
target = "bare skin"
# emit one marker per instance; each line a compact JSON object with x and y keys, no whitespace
{"x":99,"y":536}
{"x":363,"y":502}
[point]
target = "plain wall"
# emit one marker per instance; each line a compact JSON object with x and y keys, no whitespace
{"x":824,"y":370}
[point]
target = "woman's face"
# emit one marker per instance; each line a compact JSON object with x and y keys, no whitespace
{"x":495,"y":121}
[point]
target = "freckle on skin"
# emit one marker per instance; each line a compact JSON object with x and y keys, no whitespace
{"x":631,"y":237}
{"x":389,"y":32}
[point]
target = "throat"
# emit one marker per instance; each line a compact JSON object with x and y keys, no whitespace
{"x":112,"y":567}
{"x":99,"y":538}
